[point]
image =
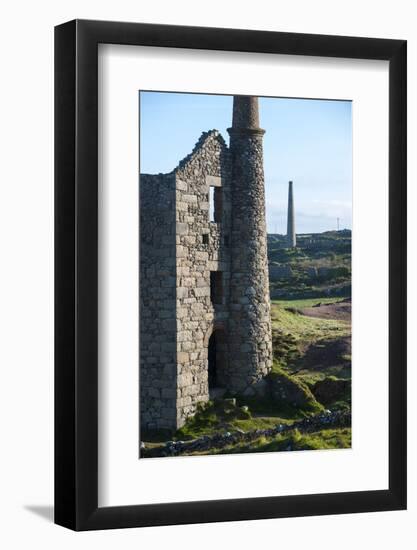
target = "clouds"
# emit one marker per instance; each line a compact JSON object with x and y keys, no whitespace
{"x":311,"y":216}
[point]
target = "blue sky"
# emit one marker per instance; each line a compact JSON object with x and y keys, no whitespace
{"x":306,"y":141}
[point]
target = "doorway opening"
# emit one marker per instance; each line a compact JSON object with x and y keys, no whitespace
{"x":212,"y":361}
{"x":217,"y":368}
{"x":216,"y":287}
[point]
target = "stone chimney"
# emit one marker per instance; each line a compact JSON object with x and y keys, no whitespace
{"x":291,"y":239}
{"x":250,"y":341}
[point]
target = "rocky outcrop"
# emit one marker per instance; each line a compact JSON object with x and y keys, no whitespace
{"x":331,"y":389}
{"x":289,"y":391}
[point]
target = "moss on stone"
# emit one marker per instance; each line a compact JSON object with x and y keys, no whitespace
{"x":288,"y":390}
{"x":213,"y":417}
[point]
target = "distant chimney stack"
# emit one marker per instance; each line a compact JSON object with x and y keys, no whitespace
{"x":291,"y":239}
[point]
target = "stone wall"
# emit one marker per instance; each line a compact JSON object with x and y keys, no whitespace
{"x":202,"y":246}
{"x":280,"y":271}
{"x":157,"y":339}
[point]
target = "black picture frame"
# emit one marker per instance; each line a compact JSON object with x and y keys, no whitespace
{"x":76,"y":271}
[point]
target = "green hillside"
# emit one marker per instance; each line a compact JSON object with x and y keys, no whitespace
{"x":319,"y":266}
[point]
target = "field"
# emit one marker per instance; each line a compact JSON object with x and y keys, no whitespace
{"x":308,"y":403}
{"x":320,"y":266}
{"x":311,"y":339}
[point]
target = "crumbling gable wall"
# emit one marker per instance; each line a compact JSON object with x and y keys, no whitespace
{"x":202,"y":246}
{"x":179,"y":247}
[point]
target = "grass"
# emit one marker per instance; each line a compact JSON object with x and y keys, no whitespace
{"x":310,"y":377}
{"x":307,"y":302}
{"x":281,"y":412}
{"x":338,"y":438}
{"x":306,"y":329}
{"x":220,"y":416}
{"x":331,"y":251}
{"x":298,"y":341}
{"x":250,"y":413}
{"x":299,"y":398}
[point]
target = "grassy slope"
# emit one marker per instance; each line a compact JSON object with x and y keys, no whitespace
{"x":306,"y":302}
{"x":339,"y":438}
{"x":306,"y":329}
{"x":212,"y":419}
{"x":332,"y":251}
{"x":297,"y":336}
{"x":295,"y":441}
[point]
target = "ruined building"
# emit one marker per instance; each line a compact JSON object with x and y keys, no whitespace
{"x":205,"y":321}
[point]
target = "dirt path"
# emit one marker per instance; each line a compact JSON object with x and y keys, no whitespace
{"x":340,"y":310}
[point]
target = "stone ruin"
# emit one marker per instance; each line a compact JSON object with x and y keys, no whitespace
{"x":205,"y":323}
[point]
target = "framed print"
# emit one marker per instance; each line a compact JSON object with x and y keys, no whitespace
{"x":230,"y":275}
